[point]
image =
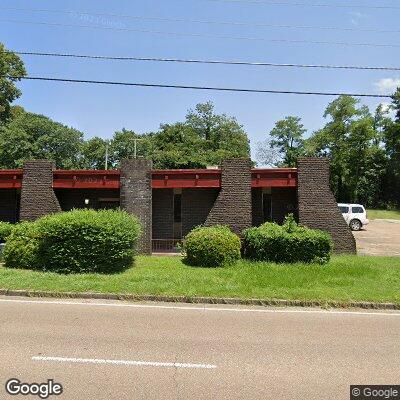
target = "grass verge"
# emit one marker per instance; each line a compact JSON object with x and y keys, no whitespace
{"x":344,"y":279}
{"x":383,"y":214}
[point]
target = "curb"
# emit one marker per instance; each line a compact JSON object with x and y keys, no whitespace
{"x":203,"y":300}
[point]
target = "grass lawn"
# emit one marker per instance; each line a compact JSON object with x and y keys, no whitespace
{"x":345,"y":278}
{"x":383,"y":214}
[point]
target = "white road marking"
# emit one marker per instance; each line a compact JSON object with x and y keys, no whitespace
{"x":205,"y":308}
{"x":123,"y":362}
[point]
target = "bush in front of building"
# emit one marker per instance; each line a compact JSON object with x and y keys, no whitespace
{"x":22,"y":245}
{"x":214,"y":246}
{"x":288,"y":243}
{"x":5,"y":230}
{"x":83,"y":241}
{"x":78,"y":241}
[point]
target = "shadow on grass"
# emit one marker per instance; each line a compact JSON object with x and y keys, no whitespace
{"x":120,"y":271}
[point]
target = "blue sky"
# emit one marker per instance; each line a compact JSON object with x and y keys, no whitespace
{"x":101,"y":110}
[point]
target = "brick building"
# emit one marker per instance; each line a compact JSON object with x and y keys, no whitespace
{"x":169,"y":203}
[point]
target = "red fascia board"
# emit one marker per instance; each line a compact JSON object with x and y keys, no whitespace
{"x":161,"y":179}
{"x":186,"y":178}
{"x":86,"y":179}
{"x":274,"y":177}
{"x":10,"y":179}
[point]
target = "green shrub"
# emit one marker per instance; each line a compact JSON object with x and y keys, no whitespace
{"x":5,"y":230}
{"x":288,"y":243}
{"x":82,"y":241}
{"x":22,"y":245}
{"x":214,"y":246}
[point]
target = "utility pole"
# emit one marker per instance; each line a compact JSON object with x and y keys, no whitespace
{"x":135,"y":146}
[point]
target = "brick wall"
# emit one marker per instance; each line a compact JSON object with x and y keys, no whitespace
{"x":9,"y":205}
{"x":233,"y":204}
{"x":317,"y":205}
{"x":163,"y":215}
{"x":37,"y":195}
{"x":136,"y":197}
{"x":196,"y":205}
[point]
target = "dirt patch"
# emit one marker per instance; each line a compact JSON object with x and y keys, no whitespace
{"x":381,"y":237}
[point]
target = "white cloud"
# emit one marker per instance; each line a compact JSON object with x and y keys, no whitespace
{"x":386,"y":108}
{"x":356,"y":17}
{"x":388,"y":85}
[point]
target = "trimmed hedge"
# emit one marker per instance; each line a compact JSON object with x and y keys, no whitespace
{"x":288,"y":243}
{"x":214,"y":246}
{"x":5,"y":230}
{"x":22,"y":245}
{"x":79,"y":241}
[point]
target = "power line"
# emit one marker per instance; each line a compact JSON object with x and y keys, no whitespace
{"x":205,"y":35}
{"x":213,"y":88}
{"x":197,"y":21}
{"x":197,"y":61}
{"x":298,"y":4}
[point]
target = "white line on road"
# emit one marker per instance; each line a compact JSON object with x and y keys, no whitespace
{"x":123,"y":362}
{"x":205,"y":308}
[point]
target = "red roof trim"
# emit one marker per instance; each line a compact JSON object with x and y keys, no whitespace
{"x":10,"y":178}
{"x":176,"y":178}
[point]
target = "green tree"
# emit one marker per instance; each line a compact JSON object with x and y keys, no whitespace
{"x":128,"y":144}
{"x":221,"y":136}
{"x":391,"y":139}
{"x":11,"y":71}
{"x":177,"y":146}
{"x":94,"y":154}
{"x":332,"y":140}
{"x":287,"y":139}
{"x":33,"y":136}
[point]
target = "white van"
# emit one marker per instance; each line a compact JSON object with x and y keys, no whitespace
{"x":355,"y":215}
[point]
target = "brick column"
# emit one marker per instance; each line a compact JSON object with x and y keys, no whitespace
{"x":136,"y":197}
{"x":318,"y":207}
{"x":233,"y":204}
{"x":37,"y":194}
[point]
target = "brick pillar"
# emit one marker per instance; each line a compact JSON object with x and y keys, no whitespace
{"x":136,"y":197}
{"x":233,"y":204}
{"x":37,"y":194}
{"x":318,"y":207}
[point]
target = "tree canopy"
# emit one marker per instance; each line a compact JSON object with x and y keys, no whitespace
{"x":11,"y":70}
{"x":363,"y":148}
{"x":31,"y":136}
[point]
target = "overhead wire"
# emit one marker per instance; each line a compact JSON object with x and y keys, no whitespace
{"x":199,"y":21}
{"x":202,"y":35}
{"x":212,"y":62}
{"x":192,"y":87}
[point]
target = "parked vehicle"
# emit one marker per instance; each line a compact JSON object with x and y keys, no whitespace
{"x":355,"y":215}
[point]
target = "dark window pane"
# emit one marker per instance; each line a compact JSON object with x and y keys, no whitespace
{"x":357,"y":210}
{"x":344,"y":210}
{"x":267,"y":207}
{"x":177,"y":208}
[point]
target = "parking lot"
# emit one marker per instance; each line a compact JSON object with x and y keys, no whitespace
{"x":380,"y":238}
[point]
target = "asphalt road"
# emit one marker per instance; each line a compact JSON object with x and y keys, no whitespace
{"x":100,"y":350}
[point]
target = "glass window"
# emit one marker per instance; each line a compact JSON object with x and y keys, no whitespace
{"x":267,"y":207}
{"x":357,"y":210}
{"x":177,"y":208}
{"x":343,"y":209}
